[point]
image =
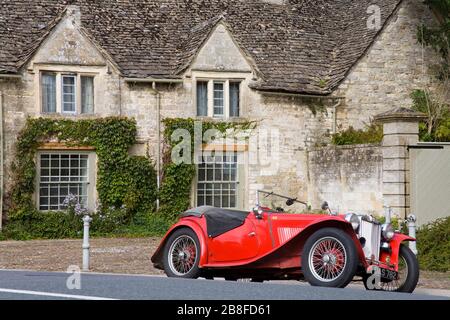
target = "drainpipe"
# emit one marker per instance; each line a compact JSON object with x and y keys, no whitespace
{"x":1,"y":160}
{"x":158,"y":130}
{"x":337,"y":105}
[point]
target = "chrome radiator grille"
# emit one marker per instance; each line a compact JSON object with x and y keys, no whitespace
{"x":372,"y":233}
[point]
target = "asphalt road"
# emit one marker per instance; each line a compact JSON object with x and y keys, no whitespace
{"x":27,"y":285}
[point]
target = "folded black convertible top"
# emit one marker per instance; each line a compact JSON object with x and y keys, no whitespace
{"x":218,"y":220}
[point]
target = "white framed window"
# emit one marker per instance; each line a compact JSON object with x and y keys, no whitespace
{"x":63,"y":173}
{"x":202,"y":98}
{"x":87,"y":94}
{"x":218,"y":180}
{"x":48,"y":95}
{"x":67,"y":93}
{"x":218,"y":98}
{"x":235,"y":98}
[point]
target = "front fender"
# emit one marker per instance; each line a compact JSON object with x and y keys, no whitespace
{"x":395,"y":244}
{"x":184,"y":223}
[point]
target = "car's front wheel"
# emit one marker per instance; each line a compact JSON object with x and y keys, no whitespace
{"x":407,"y":276}
{"x":182,"y":254}
{"x":329,"y":258}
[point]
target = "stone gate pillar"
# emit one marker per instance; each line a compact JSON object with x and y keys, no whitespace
{"x":400,"y":129}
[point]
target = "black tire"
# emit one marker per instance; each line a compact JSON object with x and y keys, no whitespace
{"x":346,"y":255}
{"x":412,"y":277}
{"x":192,"y":270}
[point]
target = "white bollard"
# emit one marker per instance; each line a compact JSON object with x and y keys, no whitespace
{"x":86,"y":246}
{"x":412,"y":232}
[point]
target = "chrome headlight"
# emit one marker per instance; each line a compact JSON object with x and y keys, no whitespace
{"x":387,"y":231}
{"x":353,"y":219}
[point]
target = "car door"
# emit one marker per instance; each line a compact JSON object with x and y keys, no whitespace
{"x":235,"y":245}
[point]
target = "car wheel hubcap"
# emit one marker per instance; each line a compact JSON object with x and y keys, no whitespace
{"x":182,"y":255}
{"x":327,"y":259}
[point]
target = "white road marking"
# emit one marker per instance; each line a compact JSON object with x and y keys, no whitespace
{"x":50,"y":294}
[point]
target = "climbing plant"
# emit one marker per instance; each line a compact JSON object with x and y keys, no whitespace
{"x":122,"y":180}
{"x":178,"y":177}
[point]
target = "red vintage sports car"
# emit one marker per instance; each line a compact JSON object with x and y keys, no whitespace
{"x":266,"y":244}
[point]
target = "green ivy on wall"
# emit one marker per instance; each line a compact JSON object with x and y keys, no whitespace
{"x":122,"y":180}
{"x":175,"y":193}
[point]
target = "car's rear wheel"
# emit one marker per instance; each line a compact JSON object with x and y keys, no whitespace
{"x":329,"y":258}
{"x":408,"y":274}
{"x":182,"y":254}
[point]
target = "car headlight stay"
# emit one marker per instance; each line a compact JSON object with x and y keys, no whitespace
{"x":387,"y":231}
{"x":353,"y":219}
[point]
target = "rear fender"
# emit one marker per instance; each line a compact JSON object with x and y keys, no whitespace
{"x":185,"y":223}
{"x":395,"y":244}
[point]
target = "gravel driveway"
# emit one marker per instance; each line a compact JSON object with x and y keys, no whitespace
{"x":116,"y":255}
{"x":107,"y":255}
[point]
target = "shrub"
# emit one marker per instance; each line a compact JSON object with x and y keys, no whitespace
{"x":44,"y":225}
{"x":371,"y":134}
{"x":111,"y":222}
{"x":433,"y":244}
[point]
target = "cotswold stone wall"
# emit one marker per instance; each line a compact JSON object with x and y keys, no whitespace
{"x":350,"y":178}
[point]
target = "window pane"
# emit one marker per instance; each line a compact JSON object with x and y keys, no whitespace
{"x":234,"y":99}
{"x":48,"y":92}
{"x":87,"y":95}
{"x":218,"y":186}
{"x":218,"y":99}
{"x":202,"y":98}
{"x":63,"y":178}
{"x":68,"y":94}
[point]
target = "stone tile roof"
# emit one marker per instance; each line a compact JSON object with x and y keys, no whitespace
{"x":306,"y":46}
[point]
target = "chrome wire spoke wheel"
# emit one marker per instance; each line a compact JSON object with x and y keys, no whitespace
{"x":327,"y":259}
{"x":182,"y":255}
{"x":395,"y":285}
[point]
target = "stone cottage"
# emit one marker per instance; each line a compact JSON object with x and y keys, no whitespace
{"x":229,"y":60}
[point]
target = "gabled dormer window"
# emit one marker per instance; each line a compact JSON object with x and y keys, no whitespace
{"x":218,"y":98}
{"x":67,"y":93}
